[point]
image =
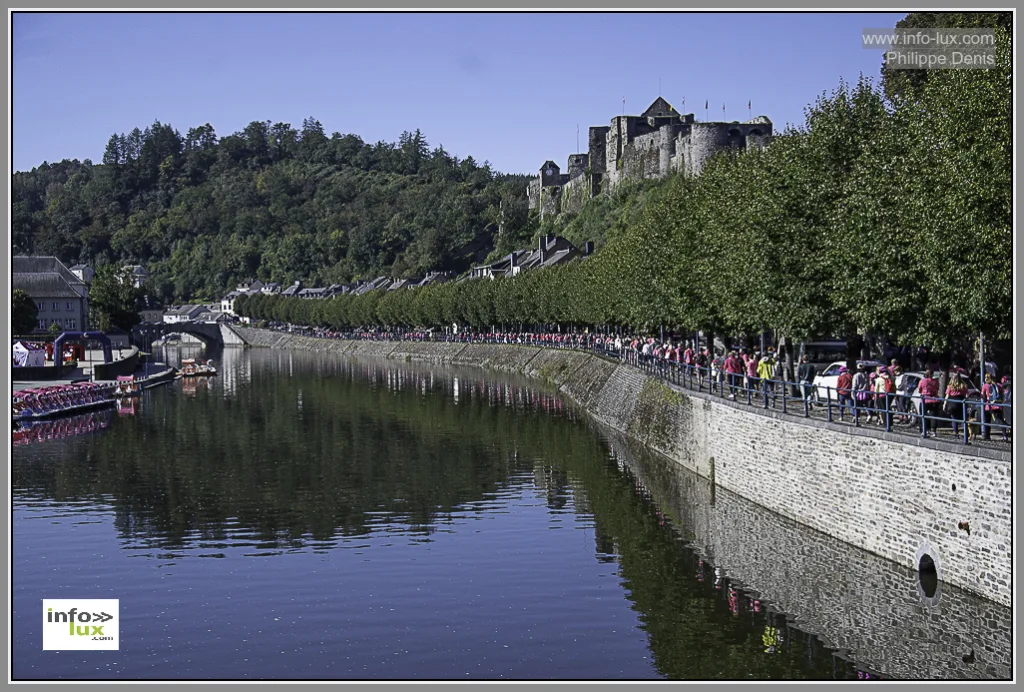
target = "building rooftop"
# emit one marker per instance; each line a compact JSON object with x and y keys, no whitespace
{"x":44,"y":285}
{"x":45,"y":277}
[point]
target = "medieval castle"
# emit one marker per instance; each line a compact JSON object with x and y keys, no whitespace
{"x":650,"y":145}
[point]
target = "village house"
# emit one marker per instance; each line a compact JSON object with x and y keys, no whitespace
{"x":61,"y":296}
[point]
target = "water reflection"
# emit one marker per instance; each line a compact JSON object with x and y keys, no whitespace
{"x":382,"y":482}
{"x":34,"y":431}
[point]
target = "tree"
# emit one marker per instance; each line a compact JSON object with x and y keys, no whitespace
{"x":113,"y":299}
{"x":24,"y":312}
{"x":902,"y":84}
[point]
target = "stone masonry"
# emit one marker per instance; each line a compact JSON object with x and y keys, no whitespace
{"x":876,"y":492}
{"x":653,"y":144}
{"x":850,"y":598}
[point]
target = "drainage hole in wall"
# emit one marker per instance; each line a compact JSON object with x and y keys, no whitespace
{"x":928,"y":576}
{"x":954,"y":487}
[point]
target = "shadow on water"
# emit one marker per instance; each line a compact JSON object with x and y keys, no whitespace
{"x":287,"y":452}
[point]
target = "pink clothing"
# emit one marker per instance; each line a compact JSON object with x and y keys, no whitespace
{"x":928,"y":388}
{"x":988,"y":393}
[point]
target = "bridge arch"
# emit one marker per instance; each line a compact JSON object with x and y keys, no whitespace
{"x":208,"y":333}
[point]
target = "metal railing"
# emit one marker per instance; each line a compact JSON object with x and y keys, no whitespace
{"x":900,"y":412}
{"x":896,"y":411}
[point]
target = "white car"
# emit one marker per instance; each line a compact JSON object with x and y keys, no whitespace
{"x":973,"y":393}
{"x":830,"y":375}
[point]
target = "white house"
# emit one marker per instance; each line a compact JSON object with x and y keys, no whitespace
{"x":139,"y":275}
{"x":227,"y":303}
{"x":184,"y":313}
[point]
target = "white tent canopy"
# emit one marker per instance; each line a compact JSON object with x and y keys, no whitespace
{"x":24,"y":355}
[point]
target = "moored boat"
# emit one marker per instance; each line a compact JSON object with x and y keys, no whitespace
{"x":126,"y":386}
{"x":190,"y":367}
{"x":54,"y":400}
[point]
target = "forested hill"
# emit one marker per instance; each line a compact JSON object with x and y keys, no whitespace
{"x":203,"y":212}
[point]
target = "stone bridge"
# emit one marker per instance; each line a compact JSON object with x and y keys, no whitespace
{"x":209,"y":333}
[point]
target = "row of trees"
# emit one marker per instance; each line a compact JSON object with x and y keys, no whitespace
{"x":891,"y":214}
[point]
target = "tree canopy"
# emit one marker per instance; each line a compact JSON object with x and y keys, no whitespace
{"x":24,"y":312}
{"x":889,"y":210}
{"x":881,"y":216}
{"x":113,"y":299}
{"x":204,"y":212}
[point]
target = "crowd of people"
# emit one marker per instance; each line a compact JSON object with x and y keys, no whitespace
{"x":874,"y":396}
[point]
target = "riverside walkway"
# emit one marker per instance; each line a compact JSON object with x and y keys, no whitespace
{"x":783,"y":400}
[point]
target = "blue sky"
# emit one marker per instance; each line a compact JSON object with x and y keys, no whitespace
{"x":506,"y":88}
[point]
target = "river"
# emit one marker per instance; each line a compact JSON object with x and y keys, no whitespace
{"x":303,"y":516}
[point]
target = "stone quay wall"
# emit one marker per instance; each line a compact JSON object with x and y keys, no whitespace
{"x":875,"y":491}
{"x":851,"y":599}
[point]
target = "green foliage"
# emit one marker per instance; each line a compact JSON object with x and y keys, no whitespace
{"x":888,"y":215}
{"x":908,"y":84}
{"x":268,"y":202}
{"x":893,"y":218}
{"x":113,"y":299}
{"x":24,"y":312}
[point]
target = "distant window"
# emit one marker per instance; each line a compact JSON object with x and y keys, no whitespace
{"x":42,"y":306}
{"x":42,"y":324}
{"x":56,"y":306}
{"x":69,"y":323}
{"x":70,"y":308}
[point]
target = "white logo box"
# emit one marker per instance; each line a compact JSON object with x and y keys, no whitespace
{"x":80,"y":624}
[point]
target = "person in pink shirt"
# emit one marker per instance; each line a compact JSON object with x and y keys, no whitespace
{"x":752,"y":379}
{"x":992,"y":395}
{"x":928,"y":388}
{"x":733,"y":369}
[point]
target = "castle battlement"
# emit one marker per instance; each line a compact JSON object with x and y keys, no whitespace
{"x":653,"y":144}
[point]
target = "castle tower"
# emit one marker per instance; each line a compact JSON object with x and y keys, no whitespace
{"x":666,"y":149}
{"x":550,"y":175}
{"x":550,"y":191}
{"x":597,"y":142}
{"x":577,"y":165}
{"x":706,"y":140}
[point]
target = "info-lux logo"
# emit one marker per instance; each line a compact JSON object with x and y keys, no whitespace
{"x":80,"y":624}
